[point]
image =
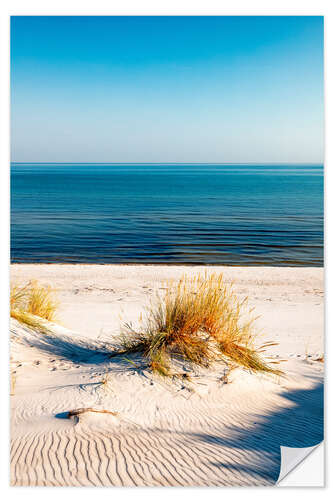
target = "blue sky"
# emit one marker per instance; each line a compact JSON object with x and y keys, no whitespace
{"x":167,"y":89}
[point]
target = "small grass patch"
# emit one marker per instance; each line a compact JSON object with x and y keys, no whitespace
{"x":199,"y":320}
{"x":32,"y":302}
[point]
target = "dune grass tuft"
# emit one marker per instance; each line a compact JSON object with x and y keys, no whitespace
{"x":32,"y":302}
{"x":199,"y":320}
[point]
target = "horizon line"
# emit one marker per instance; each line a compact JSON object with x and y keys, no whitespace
{"x":160,"y":163}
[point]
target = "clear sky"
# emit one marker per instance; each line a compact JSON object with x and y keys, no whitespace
{"x":167,"y":89}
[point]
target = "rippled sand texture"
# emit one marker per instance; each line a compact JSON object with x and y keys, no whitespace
{"x":200,"y":433}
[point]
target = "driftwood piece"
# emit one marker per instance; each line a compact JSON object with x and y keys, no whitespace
{"x":79,"y":411}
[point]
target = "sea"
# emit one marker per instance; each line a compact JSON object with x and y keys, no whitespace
{"x":238,"y":215}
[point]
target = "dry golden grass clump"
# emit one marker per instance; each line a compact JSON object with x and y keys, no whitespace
{"x":31,"y":302}
{"x":199,"y":320}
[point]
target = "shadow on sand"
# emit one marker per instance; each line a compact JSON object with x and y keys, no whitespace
{"x":299,"y":426}
{"x":74,"y":349}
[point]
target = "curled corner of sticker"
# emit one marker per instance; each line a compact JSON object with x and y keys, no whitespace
{"x":291,"y":458}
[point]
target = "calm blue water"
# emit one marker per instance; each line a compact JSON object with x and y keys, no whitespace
{"x":210,"y":214}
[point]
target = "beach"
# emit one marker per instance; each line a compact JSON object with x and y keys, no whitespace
{"x":161,"y":433}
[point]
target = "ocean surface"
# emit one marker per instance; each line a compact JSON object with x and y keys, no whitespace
{"x":167,"y":213}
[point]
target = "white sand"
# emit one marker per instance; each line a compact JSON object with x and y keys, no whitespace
{"x":165,"y":433}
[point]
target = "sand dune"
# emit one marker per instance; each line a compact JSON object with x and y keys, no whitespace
{"x":200,"y":433}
